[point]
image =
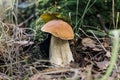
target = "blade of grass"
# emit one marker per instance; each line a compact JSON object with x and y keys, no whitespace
{"x":114,"y":57}
{"x":77,"y":12}
{"x":80,"y":21}
{"x":117,"y":18}
{"x":113,"y":14}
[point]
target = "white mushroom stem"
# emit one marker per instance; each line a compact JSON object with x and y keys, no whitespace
{"x":60,"y":53}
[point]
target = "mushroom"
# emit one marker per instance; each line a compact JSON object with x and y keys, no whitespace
{"x":59,"y":50}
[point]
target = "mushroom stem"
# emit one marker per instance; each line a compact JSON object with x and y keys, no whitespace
{"x":60,"y":53}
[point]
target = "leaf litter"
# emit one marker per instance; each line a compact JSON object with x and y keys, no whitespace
{"x":91,"y":63}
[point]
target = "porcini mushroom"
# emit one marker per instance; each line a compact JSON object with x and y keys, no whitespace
{"x":59,"y":51}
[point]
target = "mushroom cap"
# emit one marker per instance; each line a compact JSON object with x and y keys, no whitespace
{"x":59,"y":28}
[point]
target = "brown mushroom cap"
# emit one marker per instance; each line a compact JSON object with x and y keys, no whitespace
{"x":59,"y":28}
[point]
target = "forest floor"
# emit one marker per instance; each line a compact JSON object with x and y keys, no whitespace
{"x":92,"y":58}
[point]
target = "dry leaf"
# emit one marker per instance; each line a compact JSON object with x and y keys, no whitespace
{"x":108,"y":54}
{"x":87,"y":42}
{"x":103,"y":65}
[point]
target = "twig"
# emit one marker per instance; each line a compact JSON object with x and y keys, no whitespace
{"x":99,"y":42}
{"x":102,"y":23}
{"x":86,"y":33}
{"x":8,"y":65}
{"x":26,"y":20}
{"x":58,"y":71}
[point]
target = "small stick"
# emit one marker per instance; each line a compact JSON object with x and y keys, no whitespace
{"x":26,"y":20}
{"x":58,"y":71}
{"x":102,"y":23}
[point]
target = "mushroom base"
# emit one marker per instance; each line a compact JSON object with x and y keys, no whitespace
{"x":60,"y":53}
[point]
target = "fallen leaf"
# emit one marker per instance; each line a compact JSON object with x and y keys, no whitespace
{"x":103,"y":65}
{"x":108,"y":54}
{"x":87,"y":42}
